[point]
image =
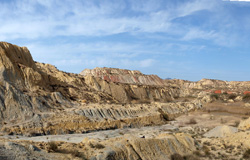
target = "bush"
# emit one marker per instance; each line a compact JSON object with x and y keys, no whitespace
{"x":232,"y":96}
{"x":246,"y":155}
{"x":214,"y":96}
{"x":97,"y":145}
{"x":197,"y":153}
{"x":246,"y":97}
{"x":206,"y":150}
{"x":52,"y":146}
{"x":176,"y":156}
{"x":192,"y":121}
{"x":236,"y":123}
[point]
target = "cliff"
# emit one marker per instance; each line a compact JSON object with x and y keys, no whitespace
{"x":37,"y":98}
{"x":123,"y":76}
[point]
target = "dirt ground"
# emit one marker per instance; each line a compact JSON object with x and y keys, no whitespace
{"x":215,"y":114}
{"x":195,"y":123}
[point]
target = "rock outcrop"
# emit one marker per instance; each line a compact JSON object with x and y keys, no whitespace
{"x":123,"y":76}
{"x":244,"y":124}
{"x":161,"y":147}
{"x":33,"y":94}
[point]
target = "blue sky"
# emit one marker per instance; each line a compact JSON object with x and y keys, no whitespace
{"x":184,"y":39}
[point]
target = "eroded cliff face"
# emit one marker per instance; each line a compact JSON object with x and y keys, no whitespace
{"x":28,"y":88}
{"x":189,"y":88}
{"x":129,"y":86}
{"x":123,"y":76}
{"x":160,"y":147}
{"x":132,"y":93}
{"x":137,"y":87}
{"x":38,"y":98}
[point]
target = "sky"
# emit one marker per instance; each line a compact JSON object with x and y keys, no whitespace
{"x":184,"y":39}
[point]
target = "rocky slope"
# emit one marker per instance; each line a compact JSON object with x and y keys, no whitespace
{"x":37,"y":99}
{"x":33,"y":94}
{"x":123,"y":76}
{"x":137,"y":78}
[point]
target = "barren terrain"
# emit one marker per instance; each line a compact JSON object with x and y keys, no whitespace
{"x":112,"y":114}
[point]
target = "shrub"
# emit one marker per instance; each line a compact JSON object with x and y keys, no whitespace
{"x":246,"y":97}
{"x":246,"y":155}
{"x":214,"y":96}
{"x":236,"y":123}
{"x":232,"y":96}
{"x":52,"y":146}
{"x":97,"y":145}
{"x":176,"y":156}
{"x":192,"y":121}
{"x":206,"y":150}
{"x":197,"y":153}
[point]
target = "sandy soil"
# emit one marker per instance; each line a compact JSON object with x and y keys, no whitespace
{"x":148,"y":132}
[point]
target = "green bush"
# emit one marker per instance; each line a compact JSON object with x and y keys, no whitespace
{"x":214,"y":96}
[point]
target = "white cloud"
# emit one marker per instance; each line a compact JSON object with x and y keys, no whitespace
{"x":75,"y":57}
{"x":199,"y":34}
{"x":39,"y":18}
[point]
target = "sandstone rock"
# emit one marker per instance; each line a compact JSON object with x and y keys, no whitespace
{"x":247,"y":104}
{"x":221,"y":131}
{"x":238,"y":98}
{"x":161,"y":147}
{"x":123,"y":76}
{"x":244,"y":124}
